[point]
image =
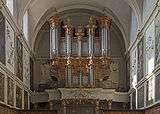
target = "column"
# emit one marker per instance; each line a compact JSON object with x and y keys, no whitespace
{"x":91,"y":74}
{"x":68,"y":73}
{"x":91,"y":29}
{"x":125,"y":106}
{"x":35,"y":105}
{"x":68,"y":34}
{"x":50,"y":105}
{"x":54,"y":35}
{"x":131,"y":106}
{"x":63,"y":107}
{"x":110,"y":104}
{"x":80,"y":34}
{"x":5,"y":89}
{"x":105,"y":37}
{"x":97,"y":107}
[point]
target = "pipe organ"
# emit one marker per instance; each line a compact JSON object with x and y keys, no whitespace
{"x":80,"y":55}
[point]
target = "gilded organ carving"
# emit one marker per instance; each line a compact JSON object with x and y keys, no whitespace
{"x":80,"y":58}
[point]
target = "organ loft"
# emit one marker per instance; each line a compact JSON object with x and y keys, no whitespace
{"x":80,"y":54}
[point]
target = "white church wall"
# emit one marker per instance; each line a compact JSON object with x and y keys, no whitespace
{"x":149,"y":80}
{"x":148,"y":6}
{"x":13,"y":87}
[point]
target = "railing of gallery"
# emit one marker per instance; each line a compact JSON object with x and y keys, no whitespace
{"x":7,"y":110}
{"x":123,"y":112}
{"x":37,"y":112}
{"x":154,"y":110}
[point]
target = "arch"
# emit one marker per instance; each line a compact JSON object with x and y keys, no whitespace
{"x":107,"y":12}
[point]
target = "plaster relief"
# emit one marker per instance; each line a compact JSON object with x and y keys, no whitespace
{"x":1,"y":87}
{"x":26,"y":67}
{"x":9,"y":36}
{"x":2,"y":38}
{"x":10,"y":92}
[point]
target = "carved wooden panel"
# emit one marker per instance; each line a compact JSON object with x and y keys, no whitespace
{"x":18,"y":97}
{"x":2,"y":38}
{"x":140,"y":60}
{"x":19,"y":58}
{"x":1,"y":87}
{"x":140,"y":97}
{"x":10,"y":92}
{"x":25,"y":100}
{"x":157,"y":86}
{"x":157,"y":41}
{"x":31,"y":74}
{"x":9,"y":36}
{"x":134,"y":100}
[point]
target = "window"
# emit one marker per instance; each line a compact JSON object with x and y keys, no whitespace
{"x":25,"y":25}
{"x":150,"y":91}
{"x":134,"y":27}
{"x":9,"y":4}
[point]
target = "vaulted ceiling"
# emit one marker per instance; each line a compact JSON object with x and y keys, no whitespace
{"x":119,"y":10}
